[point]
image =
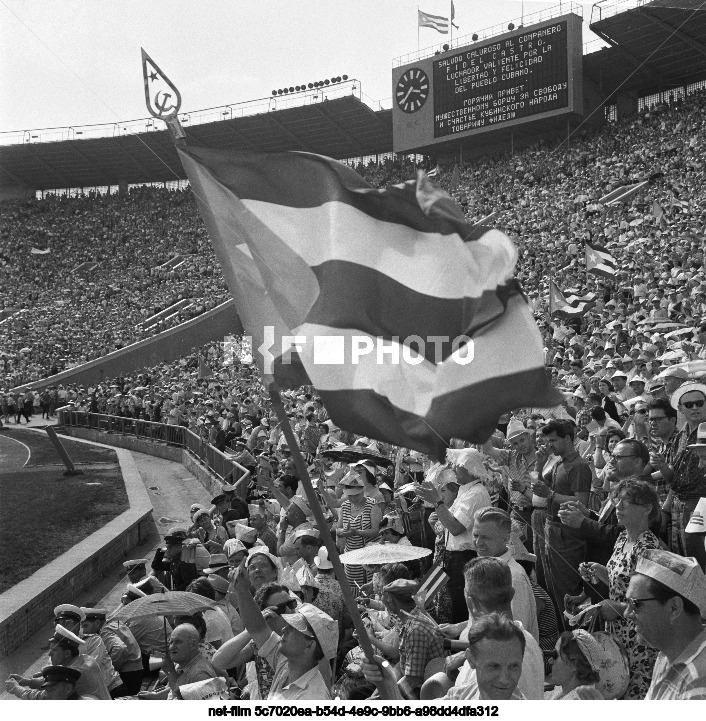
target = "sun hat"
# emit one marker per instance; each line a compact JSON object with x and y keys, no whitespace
{"x":685,"y":388}
{"x":314,"y":623}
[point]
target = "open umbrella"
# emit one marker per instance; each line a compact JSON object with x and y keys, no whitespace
{"x":25,"y":350}
{"x":170,"y":603}
{"x":378,"y":554}
{"x":678,"y":332}
{"x":351,"y":454}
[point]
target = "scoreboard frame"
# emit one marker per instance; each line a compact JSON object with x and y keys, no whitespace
{"x":416,"y":108}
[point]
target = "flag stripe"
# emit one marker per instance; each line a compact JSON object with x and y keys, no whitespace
{"x":268,"y":178}
{"x":339,"y":232}
{"x":413,"y":387}
{"x":353,"y":296}
{"x":429,"y":16}
{"x":469,"y":413}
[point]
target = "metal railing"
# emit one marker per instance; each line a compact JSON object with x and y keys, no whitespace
{"x":229,"y":111}
{"x":608,"y":8}
{"x":218,"y":463}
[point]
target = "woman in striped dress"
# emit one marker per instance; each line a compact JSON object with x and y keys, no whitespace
{"x":358,"y":523}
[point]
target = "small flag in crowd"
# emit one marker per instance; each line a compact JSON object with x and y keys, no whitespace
{"x":432,"y":583}
{"x":40,"y":251}
{"x":623,"y":194}
{"x":455,"y":177}
{"x":657,"y":212}
{"x":599,"y":261}
{"x":570,"y":306}
{"x":436,"y":22}
{"x":435,"y":172}
{"x":343,"y":286}
{"x":204,"y":369}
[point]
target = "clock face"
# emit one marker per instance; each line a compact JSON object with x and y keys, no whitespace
{"x":412,"y":90}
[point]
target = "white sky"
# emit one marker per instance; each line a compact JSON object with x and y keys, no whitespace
{"x":77,"y":62}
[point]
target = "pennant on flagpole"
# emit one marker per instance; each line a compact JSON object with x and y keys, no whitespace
{"x":161,"y":95}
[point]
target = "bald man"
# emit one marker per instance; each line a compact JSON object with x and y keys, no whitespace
{"x":183,"y":665}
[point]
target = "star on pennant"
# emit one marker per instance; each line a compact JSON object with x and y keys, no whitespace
{"x":153,"y":76}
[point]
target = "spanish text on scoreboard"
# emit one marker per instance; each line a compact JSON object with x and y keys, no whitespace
{"x":527,"y":74}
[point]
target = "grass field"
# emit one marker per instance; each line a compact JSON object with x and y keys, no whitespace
{"x":44,"y":513}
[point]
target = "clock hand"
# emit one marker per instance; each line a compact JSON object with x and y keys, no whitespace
{"x":407,"y":94}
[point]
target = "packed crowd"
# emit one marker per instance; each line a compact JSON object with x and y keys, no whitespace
{"x":64,"y":317}
{"x":562,"y":559}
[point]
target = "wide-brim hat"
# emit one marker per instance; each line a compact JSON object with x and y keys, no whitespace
{"x":312,"y":621}
{"x":216,"y":562}
{"x":684,"y":388}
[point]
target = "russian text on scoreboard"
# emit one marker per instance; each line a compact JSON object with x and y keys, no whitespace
{"x":529,"y":74}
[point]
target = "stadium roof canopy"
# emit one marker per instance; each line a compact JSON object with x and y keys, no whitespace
{"x":340,"y":128}
{"x":654,"y":47}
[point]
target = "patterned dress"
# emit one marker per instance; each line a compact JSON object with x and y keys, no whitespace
{"x":641,"y":657}
{"x":361,"y":522}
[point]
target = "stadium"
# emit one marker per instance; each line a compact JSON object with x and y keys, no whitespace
{"x":534,"y":193}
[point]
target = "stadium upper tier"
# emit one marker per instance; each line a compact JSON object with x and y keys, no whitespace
{"x":654,"y":47}
{"x":548,"y":199}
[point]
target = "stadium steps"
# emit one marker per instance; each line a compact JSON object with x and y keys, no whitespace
{"x":86,"y":267}
{"x":173,"y":263}
{"x":166,"y":314}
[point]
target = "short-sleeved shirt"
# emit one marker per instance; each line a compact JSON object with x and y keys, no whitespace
{"x":308,"y":687}
{"x":419,"y":644}
{"x":570,"y":476}
{"x":685,"y":679}
{"x":470,"y":498}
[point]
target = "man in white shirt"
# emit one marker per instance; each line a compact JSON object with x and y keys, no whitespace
{"x":457,"y":519}
{"x":491,"y":534}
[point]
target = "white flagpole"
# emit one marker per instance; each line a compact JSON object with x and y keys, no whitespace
{"x":417,"y":28}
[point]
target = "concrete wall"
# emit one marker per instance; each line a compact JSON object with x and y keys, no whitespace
{"x":30,"y":604}
{"x":167,"y":346}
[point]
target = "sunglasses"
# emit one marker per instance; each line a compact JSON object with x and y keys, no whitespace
{"x":282,"y":608}
{"x":693,"y":404}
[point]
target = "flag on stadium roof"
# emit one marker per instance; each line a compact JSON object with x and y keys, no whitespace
{"x":436,"y":22}
{"x":599,"y":261}
{"x":623,"y":194}
{"x":410,"y":333}
{"x":453,"y":15}
{"x":570,"y":306}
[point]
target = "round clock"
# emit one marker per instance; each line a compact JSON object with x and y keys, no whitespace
{"x":412,"y":90}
